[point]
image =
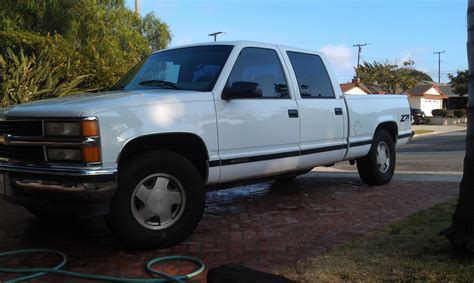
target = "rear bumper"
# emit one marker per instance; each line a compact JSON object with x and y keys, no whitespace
{"x":69,"y":190}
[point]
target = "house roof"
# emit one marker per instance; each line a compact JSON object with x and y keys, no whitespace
{"x":348,"y":86}
{"x":369,"y":90}
{"x":421,"y":89}
{"x":448,"y":90}
{"x":376,"y":90}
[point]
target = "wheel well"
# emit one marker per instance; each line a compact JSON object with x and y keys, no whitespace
{"x":189,"y":145}
{"x":391,"y":128}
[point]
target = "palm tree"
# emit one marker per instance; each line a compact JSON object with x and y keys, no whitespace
{"x":461,"y":231}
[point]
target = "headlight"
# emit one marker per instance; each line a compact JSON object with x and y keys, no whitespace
{"x":77,"y":141}
{"x":63,"y":129}
{"x":86,"y":128}
{"x":85,"y":154}
{"x":64,"y":154}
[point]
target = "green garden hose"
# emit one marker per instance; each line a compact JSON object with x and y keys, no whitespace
{"x":39,"y":272}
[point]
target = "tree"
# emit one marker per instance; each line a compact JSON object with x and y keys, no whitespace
{"x":156,"y":32}
{"x":421,"y":76}
{"x":390,"y":77}
{"x":459,"y":82}
{"x":100,"y":38}
{"x":461,"y":231}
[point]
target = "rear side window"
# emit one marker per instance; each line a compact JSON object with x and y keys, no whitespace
{"x":312,"y":76}
{"x":262,"y":66}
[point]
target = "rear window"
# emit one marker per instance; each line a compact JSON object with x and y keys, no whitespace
{"x":312,"y":76}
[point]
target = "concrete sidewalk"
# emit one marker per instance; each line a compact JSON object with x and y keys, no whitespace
{"x":437,"y":129}
{"x":400,"y":176}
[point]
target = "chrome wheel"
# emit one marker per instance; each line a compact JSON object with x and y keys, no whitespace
{"x":383,"y":157}
{"x":158,"y":201}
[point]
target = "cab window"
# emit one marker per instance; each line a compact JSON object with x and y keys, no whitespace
{"x":262,"y":66}
{"x":312,"y":76}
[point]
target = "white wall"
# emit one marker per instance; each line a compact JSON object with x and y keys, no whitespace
{"x":355,"y":90}
{"x":432,"y":91}
{"x":427,"y":105}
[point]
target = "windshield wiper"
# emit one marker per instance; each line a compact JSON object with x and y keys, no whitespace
{"x":116,"y":87}
{"x":163,"y":83}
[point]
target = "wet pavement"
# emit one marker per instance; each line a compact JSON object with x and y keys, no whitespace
{"x":265,"y":226}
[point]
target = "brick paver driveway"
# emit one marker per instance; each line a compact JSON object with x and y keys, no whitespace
{"x":264,"y":226}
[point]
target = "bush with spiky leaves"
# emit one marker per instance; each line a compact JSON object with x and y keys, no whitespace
{"x":28,"y":78}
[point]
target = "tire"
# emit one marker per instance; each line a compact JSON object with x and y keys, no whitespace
{"x":159,"y":202}
{"x":378,"y":172}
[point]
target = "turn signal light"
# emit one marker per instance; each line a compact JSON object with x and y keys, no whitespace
{"x":90,"y":154}
{"x":90,"y":128}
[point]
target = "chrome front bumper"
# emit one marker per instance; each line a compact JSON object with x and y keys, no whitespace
{"x":69,"y":182}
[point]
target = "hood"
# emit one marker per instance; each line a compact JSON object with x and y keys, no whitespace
{"x":90,"y":104}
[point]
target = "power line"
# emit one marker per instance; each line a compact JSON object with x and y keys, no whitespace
{"x":359,"y":46}
{"x":439,"y":64}
{"x":215,"y":34}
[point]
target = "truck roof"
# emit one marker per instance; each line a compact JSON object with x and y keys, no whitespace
{"x":244,"y":43}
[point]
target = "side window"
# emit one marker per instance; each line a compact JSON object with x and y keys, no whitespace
{"x":312,"y":76}
{"x":260,"y":66}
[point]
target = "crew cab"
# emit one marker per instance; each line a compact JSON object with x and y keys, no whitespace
{"x":187,"y":120}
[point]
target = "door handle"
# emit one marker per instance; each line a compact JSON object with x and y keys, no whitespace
{"x":338,"y":111}
{"x":293,"y":113}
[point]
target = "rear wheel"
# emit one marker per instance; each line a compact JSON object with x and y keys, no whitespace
{"x":378,"y":166}
{"x":159,"y":201}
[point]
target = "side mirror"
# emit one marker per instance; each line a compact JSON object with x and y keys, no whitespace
{"x":242,"y":90}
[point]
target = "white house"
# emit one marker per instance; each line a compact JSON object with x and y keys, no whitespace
{"x":426,"y":97}
{"x":358,"y":88}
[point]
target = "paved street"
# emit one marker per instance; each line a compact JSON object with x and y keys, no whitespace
{"x":442,"y":152}
{"x":265,"y":226}
{"x":453,"y":141}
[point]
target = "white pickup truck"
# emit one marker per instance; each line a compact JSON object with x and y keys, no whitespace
{"x":186,"y":120}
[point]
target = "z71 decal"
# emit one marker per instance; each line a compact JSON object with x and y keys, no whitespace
{"x":405,"y":118}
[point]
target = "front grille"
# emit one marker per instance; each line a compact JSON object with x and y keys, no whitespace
{"x":21,"y":128}
{"x":21,"y":153}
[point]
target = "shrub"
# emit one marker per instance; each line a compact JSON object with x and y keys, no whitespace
{"x":26,"y":78}
{"x":439,"y":113}
{"x":458,"y":113}
{"x":449,"y":116}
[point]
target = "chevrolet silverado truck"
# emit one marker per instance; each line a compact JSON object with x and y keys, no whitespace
{"x":187,"y":120}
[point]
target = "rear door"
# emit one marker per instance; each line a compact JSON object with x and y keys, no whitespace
{"x":322,"y":110}
{"x":258,"y":136}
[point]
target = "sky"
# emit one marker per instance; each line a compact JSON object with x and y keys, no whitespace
{"x":395,"y":30}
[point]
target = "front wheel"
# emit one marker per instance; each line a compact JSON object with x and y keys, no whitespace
{"x":159,"y":201}
{"x":378,"y":166}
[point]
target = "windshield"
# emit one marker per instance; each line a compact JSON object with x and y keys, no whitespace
{"x":190,"y":68}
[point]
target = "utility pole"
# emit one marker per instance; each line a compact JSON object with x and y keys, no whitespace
{"x":215,"y":34}
{"x":359,"y":53}
{"x":137,"y":7}
{"x":439,"y":64}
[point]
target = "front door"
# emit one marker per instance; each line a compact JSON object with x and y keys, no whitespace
{"x":258,"y":136}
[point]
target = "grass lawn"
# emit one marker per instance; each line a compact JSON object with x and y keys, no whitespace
{"x":409,"y":250}
{"x":420,"y":132}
